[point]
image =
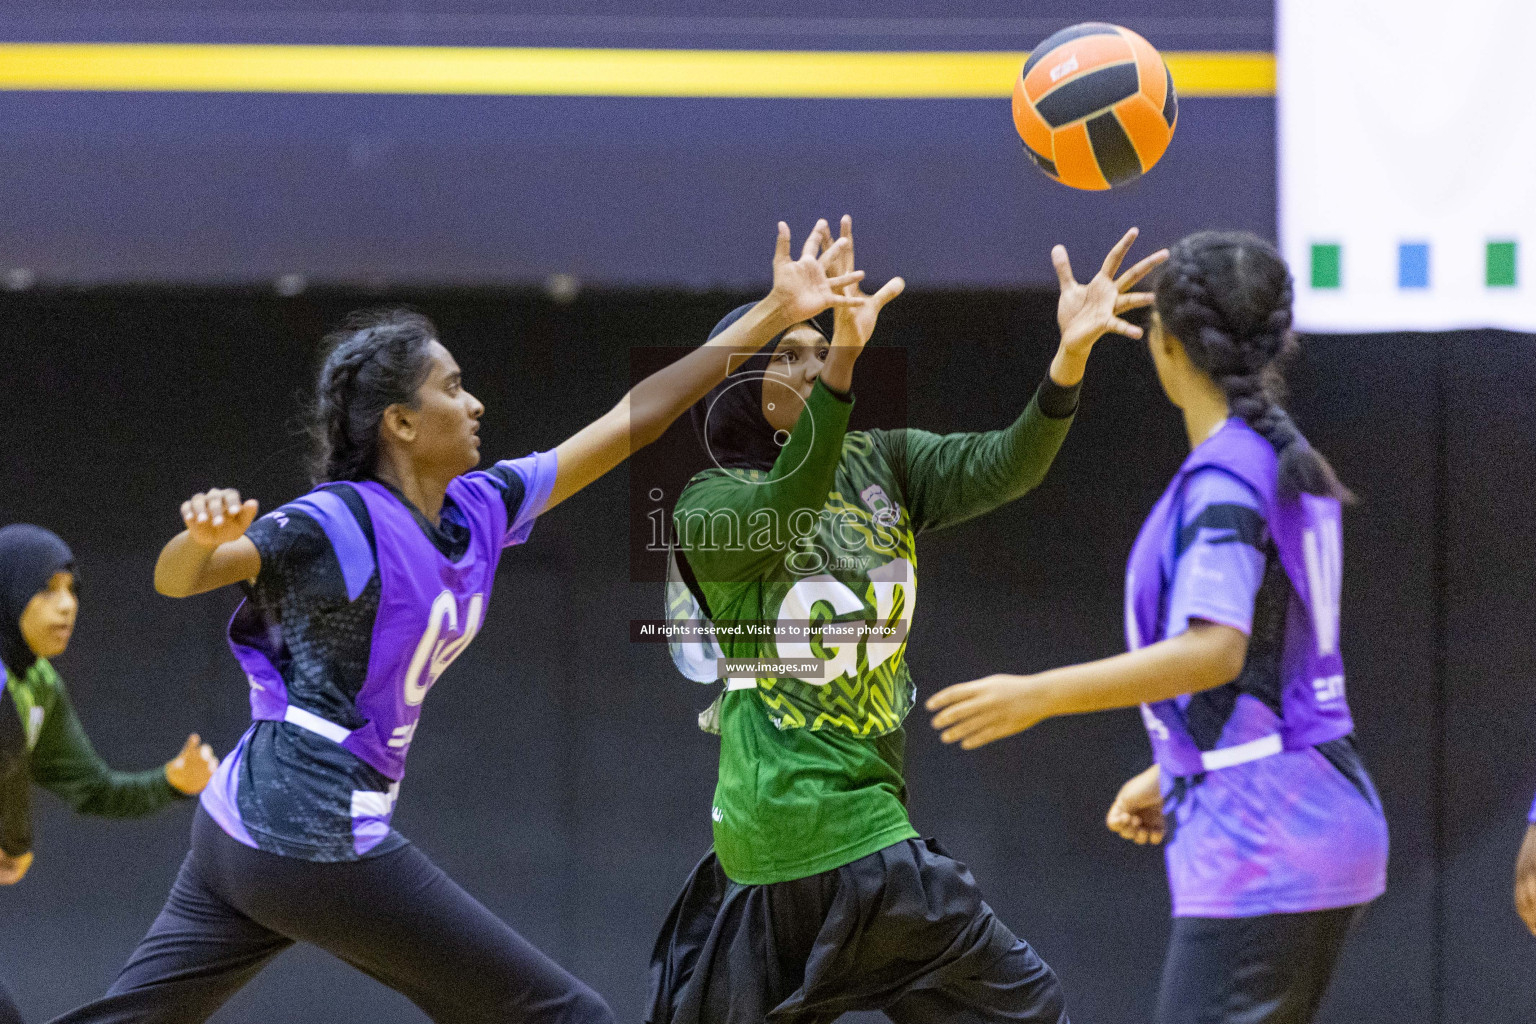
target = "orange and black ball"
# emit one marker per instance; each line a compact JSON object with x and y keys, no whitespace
{"x":1095,"y":106}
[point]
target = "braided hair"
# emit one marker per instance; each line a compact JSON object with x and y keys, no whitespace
{"x":1227,"y":297}
{"x":378,"y":358}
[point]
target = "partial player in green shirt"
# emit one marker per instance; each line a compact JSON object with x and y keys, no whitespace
{"x":41,"y":739}
{"x":799,"y":544}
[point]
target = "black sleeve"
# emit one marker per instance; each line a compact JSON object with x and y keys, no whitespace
{"x":297,"y":560}
{"x":513,"y":490}
{"x":1056,"y":401}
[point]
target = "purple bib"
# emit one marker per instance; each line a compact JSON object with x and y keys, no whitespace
{"x":430,"y":608}
{"x":1308,"y":537}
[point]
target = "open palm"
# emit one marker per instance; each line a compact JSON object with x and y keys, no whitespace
{"x":1086,"y":312}
{"x":803,"y":287}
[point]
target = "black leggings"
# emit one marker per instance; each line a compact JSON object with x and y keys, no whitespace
{"x":396,"y":917}
{"x":1272,"y":969}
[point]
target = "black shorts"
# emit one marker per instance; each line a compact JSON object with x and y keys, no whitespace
{"x":903,"y":930}
{"x":1272,"y":969}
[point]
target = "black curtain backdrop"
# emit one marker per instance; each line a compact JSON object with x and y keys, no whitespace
{"x":558,"y":774}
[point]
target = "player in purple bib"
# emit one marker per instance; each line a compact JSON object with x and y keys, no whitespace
{"x":359,"y":595}
{"x":1275,"y":833}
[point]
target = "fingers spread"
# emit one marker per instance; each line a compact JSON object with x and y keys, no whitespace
{"x":1141,"y":270}
{"x":888,"y":291}
{"x":1134,"y":300}
{"x":1112,"y":261}
{"x":1124,"y":327}
{"x":836,"y":249}
{"x":781,"y":245}
{"x":1063,"y":267}
{"x":814,"y":240}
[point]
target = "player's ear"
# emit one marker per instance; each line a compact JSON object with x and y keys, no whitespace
{"x":398,"y":422}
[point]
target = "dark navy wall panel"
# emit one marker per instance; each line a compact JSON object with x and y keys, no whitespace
{"x":900,"y":24}
{"x":243,"y":188}
{"x":628,"y":192}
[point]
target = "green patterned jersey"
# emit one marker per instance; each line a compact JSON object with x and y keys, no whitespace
{"x":816,"y":560}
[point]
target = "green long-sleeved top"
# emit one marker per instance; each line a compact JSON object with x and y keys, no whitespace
{"x":55,"y":753}
{"x":811,"y":769}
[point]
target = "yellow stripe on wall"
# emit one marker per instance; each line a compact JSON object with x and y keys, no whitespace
{"x":542,"y":71}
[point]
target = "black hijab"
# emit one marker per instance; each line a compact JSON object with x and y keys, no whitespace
{"x":729,"y":420}
{"x":29,"y":556}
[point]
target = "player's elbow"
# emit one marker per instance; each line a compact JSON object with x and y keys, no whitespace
{"x":1222,"y":651}
{"x":167,"y":586}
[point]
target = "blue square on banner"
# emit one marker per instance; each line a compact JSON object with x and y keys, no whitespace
{"x":1413,"y":265}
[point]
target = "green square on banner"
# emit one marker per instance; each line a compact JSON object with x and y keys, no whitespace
{"x":1327,"y":264}
{"x":1501,"y":264}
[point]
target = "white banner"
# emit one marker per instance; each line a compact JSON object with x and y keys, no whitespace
{"x":1408,"y":163}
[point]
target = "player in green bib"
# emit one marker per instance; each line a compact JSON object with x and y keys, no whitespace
{"x":41,"y":739}
{"x":799,"y":543}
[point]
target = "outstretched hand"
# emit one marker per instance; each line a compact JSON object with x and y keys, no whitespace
{"x":854,"y":325}
{"x":806,"y":286}
{"x":976,"y":713}
{"x":189,"y":771}
{"x":217,"y":517}
{"x":1086,"y":312}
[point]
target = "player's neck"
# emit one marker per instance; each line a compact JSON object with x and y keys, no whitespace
{"x":425,"y":492}
{"x":1205,"y":410}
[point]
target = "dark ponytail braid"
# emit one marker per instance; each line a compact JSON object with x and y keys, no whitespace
{"x":1227,"y":297}
{"x":378,"y":358}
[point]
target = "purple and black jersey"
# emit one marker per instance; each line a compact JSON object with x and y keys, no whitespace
{"x":360,"y":605}
{"x":1270,"y":810}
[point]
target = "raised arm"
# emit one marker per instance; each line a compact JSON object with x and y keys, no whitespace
{"x":952,"y":477}
{"x":801,"y":289}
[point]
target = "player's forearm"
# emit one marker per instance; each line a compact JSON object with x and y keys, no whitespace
{"x":972,"y":474}
{"x":67,"y":765}
{"x":1024,"y":451}
{"x":186,"y":567}
{"x":181,"y":567}
{"x":1197,"y":659}
{"x":658,"y":400}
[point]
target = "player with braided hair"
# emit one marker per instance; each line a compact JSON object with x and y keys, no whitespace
{"x":358,"y":595}
{"x":1275,"y":833}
